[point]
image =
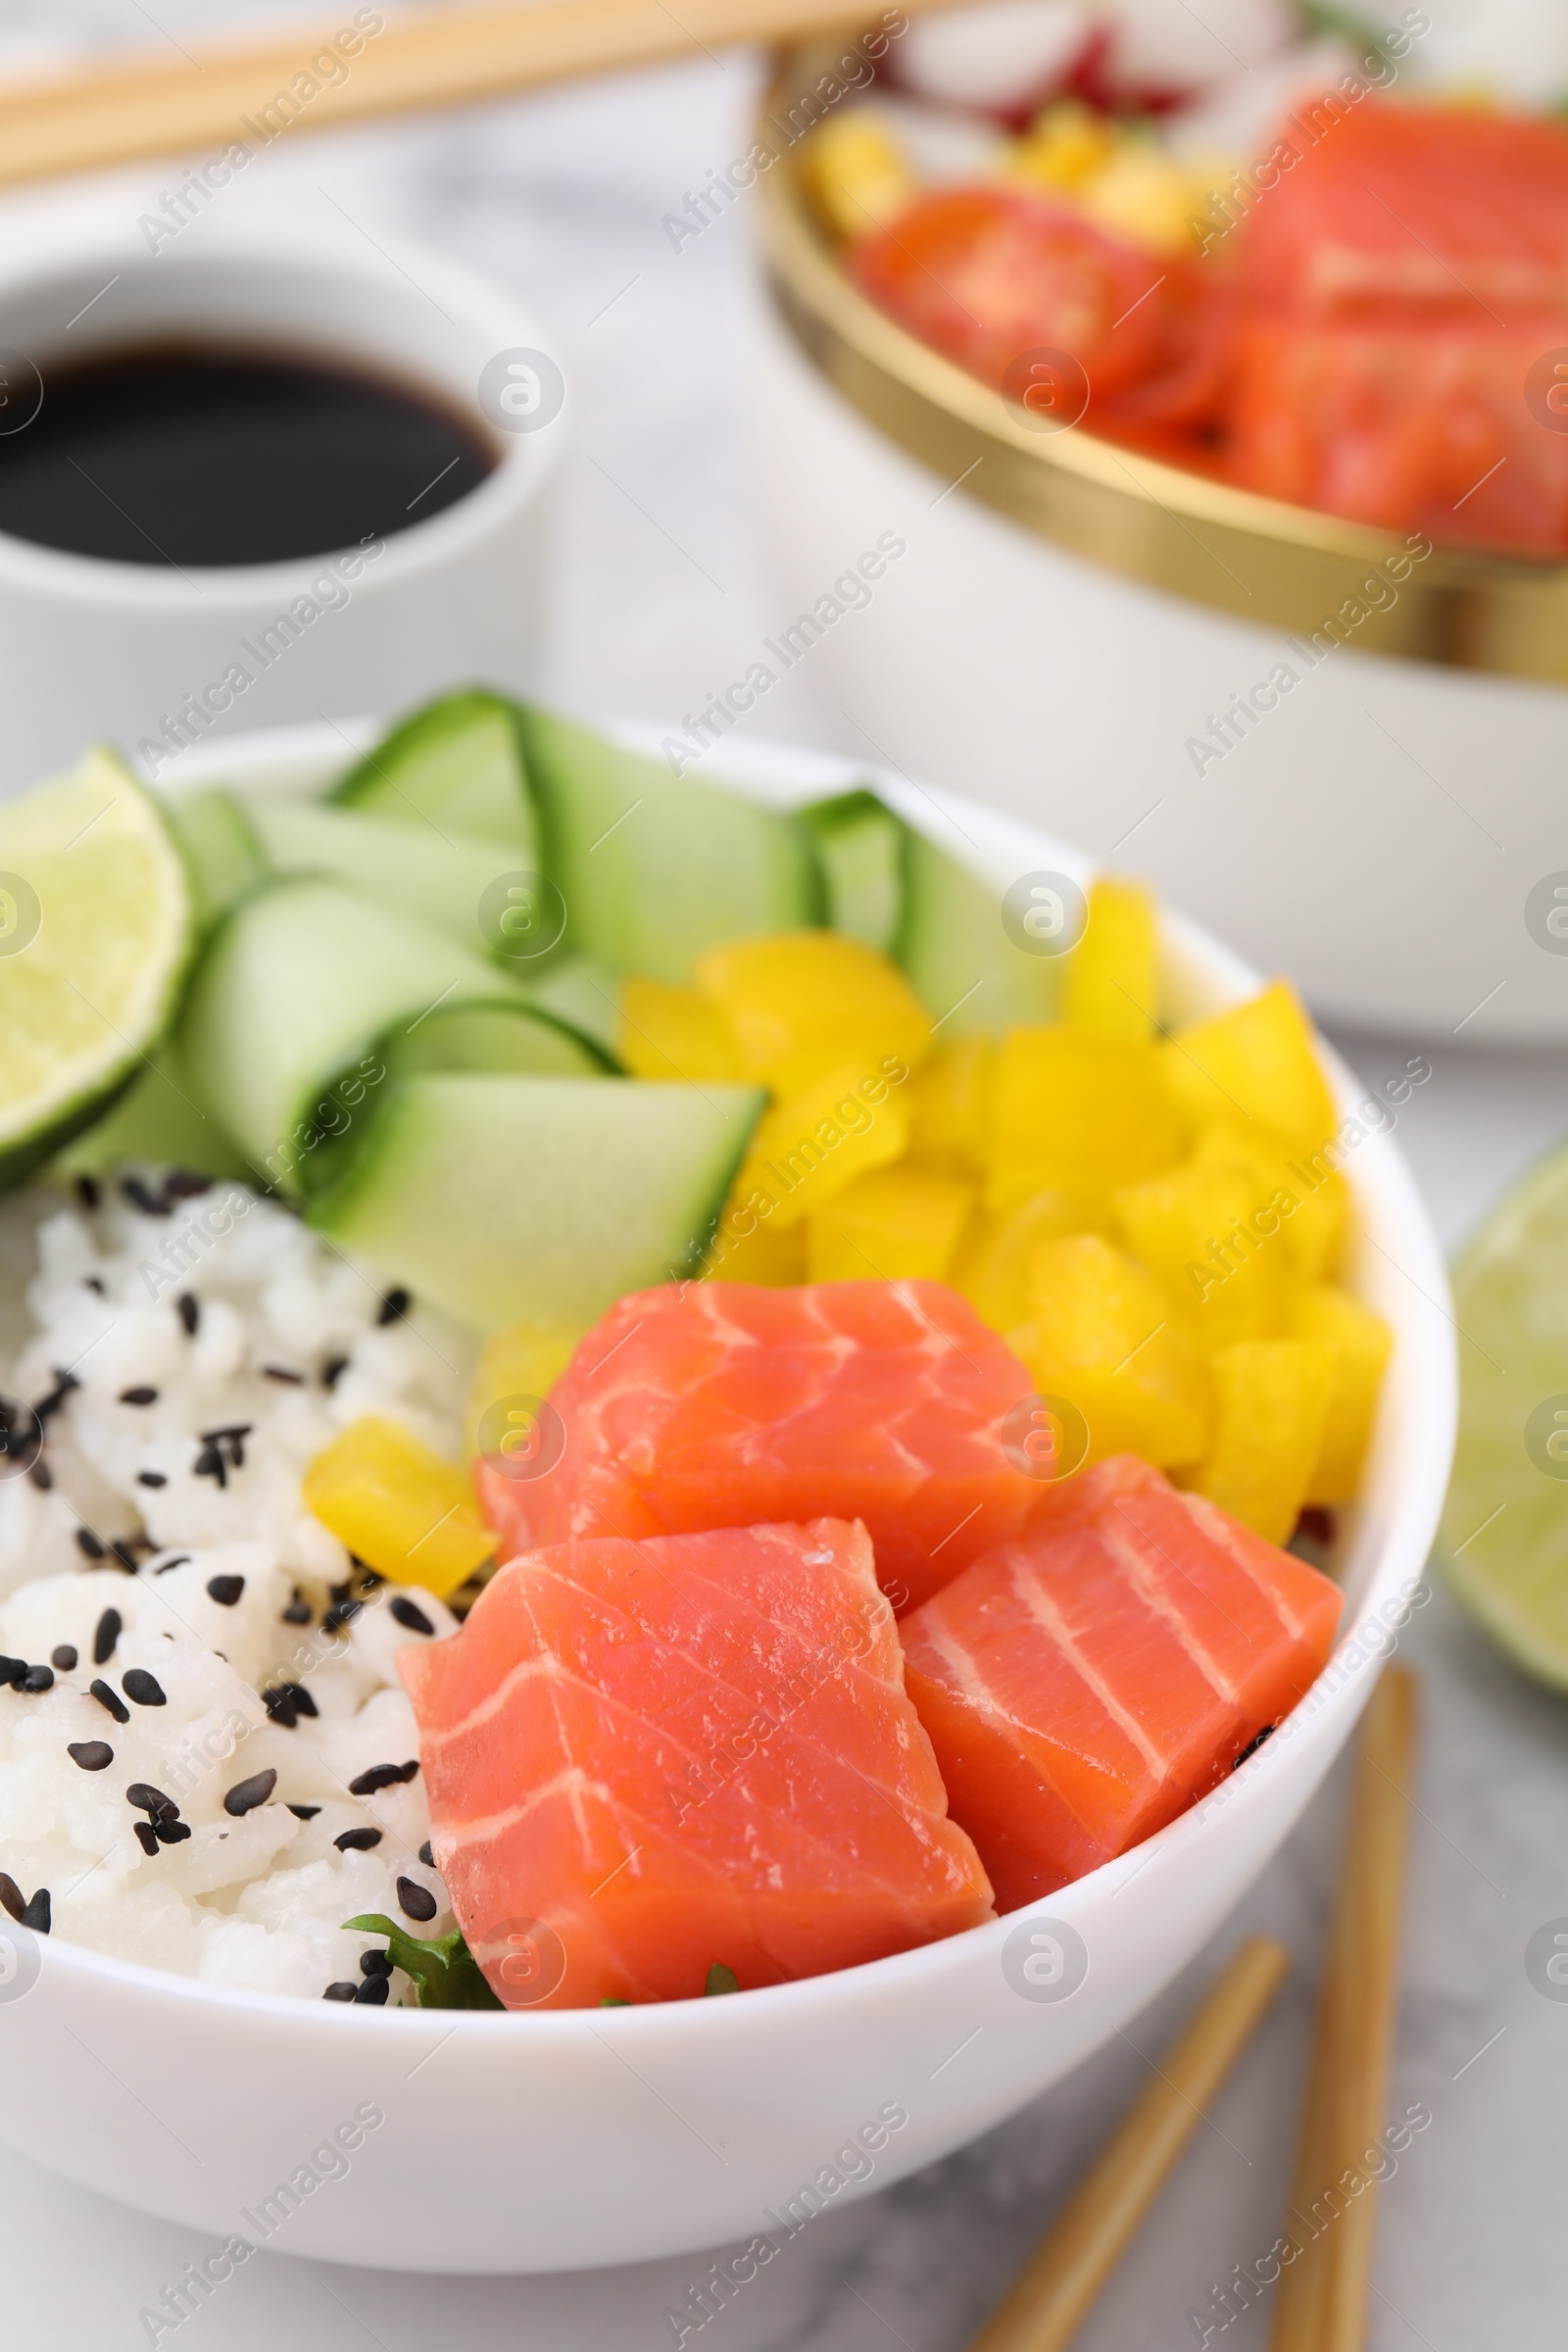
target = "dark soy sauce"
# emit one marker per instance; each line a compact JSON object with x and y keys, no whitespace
{"x":194,"y":453}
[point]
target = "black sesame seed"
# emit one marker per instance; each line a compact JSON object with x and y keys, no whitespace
{"x":382,"y":1776}
{"x":298,"y":1612}
{"x":62,"y":1657}
{"x":409,"y":1613}
{"x":185,"y":1184}
{"x":111,"y":1625}
{"x":36,"y":1915}
{"x":356,"y":1841}
{"x":141,"y":1196}
{"x":151,"y":1478}
{"x":12,"y":1670}
{"x":124,"y":1549}
{"x":42,"y":1476}
{"x":88,"y":1192}
{"x":36,"y":1679}
{"x":292,"y":1380}
{"x":210,"y":1463}
{"x":11,"y":1895}
{"x":95,"y":1282}
{"x":418,"y":1901}
{"x":138,"y":1395}
{"x":279,"y":1700}
{"x":190,"y":1311}
{"x":301,"y":1697}
{"x":148,"y":1799}
{"x":305,"y":1812}
{"x":111,"y":1699}
{"x":375,"y":1964}
{"x":425,"y":1855}
{"x":47,"y":1406}
{"x":394,"y":1307}
{"x":246,"y":1795}
{"x":144,"y":1688}
{"x":334,"y":1370}
{"x":171,"y":1832}
{"x":180,"y":1560}
{"x":89,"y":1542}
{"x":147,"y":1837}
{"x":342,"y":1990}
{"x":341,"y":1613}
{"x":228,"y":1429}
{"x":1253,"y":1745}
{"x":224,"y":1589}
{"x":93,"y":1755}
{"x":374,"y":1992}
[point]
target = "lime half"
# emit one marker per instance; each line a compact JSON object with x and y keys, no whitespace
{"x":95,"y":934}
{"x":1504,"y":1535}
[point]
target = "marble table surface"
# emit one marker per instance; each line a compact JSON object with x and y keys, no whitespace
{"x":661,"y":590}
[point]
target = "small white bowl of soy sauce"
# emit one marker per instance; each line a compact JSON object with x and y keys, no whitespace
{"x":275,"y":478}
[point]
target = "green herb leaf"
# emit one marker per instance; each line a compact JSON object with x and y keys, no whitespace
{"x":445,"y":1973}
{"x":721,"y":1978}
{"x":612,"y":2000}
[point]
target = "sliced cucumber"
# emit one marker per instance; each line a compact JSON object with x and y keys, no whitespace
{"x":860,"y":847}
{"x":297,"y":986}
{"x":440,"y":878}
{"x":583,"y":993}
{"x":96,"y":927}
{"x":540,"y":1200}
{"x":157,"y":1122}
{"x":221,"y":851}
{"x":456,"y":764}
{"x":964,"y":968}
{"x":655,"y":868}
{"x":518,"y":1040}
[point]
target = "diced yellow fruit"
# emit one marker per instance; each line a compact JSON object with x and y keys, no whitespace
{"x":1358,"y":1343}
{"x":812,"y":1145}
{"x":1216,"y":1251}
{"x":1102,"y":1337}
{"x":949,"y":1104}
{"x":896,"y":1224}
{"x":800,"y":1003}
{"x":1148,"y":197}
{"x":1271,"y":1401}
{"x":1065,"y":147}
{"x":1258,"y":1061}
{"x":1082,"y":1113}
{"x":1112,"y":978}
{"x":856,"y":173}
{"x":520,"y":1359}
{"x":991,"y":1266}
{"x":765,"y":1252}
{"x":1312,"y":1232}
{"x":398,"y":1506}
{"x":666,"y":1031}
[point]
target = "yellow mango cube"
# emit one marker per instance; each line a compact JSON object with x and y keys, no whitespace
{"x":520,"y":1359}
{"x":857,"y":174}
{"x":749,"y":1248}
{"x":1271,"y":1401}
{"x":1081,"y":1113}
{"x":949,"y":1104}
{"x":802,"y":1003}
{"x":1216,"y":1251}
{"x":1312,"y":1201}
{"x":666,"y":1031}
{"x":1063,"y":148}
{"x":1112,"y":980}
{"x":398,"y":1507}
{"x":1256,"y":1063}
{"x":896,"y":1224}
{"x":1103,"y":1338}
{"x":809,"y":1147}
{"x":991,"y":1265}
{"x":1359,"y":1344}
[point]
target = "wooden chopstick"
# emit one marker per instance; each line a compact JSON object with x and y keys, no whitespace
{"x":133,"y":106}
{"x":1047,"y":2305}
{"x":1322,"y":2299}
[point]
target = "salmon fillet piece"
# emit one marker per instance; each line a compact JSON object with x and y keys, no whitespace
{"x":727,"y":1404}
{"x":1088,"y":1681}
{"x":644,"y":1758}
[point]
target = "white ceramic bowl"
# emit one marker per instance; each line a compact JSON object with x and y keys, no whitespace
{"x":587,"y":2137}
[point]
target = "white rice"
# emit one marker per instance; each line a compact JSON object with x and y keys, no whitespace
{"x":255,"y":1900}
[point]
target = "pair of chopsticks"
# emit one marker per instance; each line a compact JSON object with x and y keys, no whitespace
{"x":123,"y":108}
{"x":1321,"y":2300}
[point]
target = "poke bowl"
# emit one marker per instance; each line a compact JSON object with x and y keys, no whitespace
{"x":175,"y":2051}
{"x":1148,"y":641}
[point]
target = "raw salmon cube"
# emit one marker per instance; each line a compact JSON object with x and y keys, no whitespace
{"x":724,"y":1404}
{"x":1086,"y":1682}
{"x":645,"y":1758}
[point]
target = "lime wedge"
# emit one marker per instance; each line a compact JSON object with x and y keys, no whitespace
{"x":1503,"y":1540}
{"x":95,"y":934}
